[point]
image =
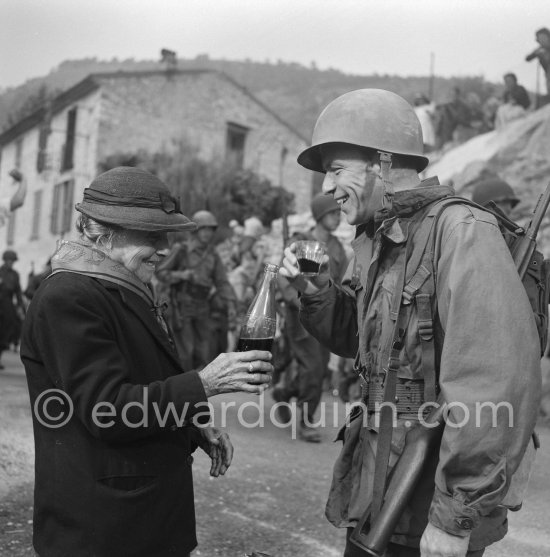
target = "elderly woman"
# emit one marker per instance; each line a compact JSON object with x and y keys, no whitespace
{"x":115,"y":416}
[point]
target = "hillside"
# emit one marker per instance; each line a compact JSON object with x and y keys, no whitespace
{"x":519,"y":154}
{"x":297,"y":93}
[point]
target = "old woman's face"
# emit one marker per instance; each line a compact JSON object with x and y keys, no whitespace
{"x":139,"y":251}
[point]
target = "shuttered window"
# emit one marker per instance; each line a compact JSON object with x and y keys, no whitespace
{"x":62,"y":208}
{"x":36,"y":215}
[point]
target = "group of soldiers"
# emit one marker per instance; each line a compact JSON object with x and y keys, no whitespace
{"x":208,"y":288}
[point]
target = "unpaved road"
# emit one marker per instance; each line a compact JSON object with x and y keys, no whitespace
{"x":271,"y":500}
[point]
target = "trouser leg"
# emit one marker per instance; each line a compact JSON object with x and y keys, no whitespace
{"x":393,"y":550}
{"x":310,"y":375}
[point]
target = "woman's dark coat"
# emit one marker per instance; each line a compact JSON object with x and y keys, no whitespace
{"x":106,"y":488}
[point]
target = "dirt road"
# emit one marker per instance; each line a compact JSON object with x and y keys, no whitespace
{"x":272,"y":498}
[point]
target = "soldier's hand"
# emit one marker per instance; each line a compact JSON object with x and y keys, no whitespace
{"x":438,"y":543}
{"x":238,"y":371}
{"x":290,"y":270}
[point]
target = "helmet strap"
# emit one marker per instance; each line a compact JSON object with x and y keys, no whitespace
{"x":385,"y":166}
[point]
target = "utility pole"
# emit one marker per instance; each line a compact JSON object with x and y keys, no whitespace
{"x":432,"y":77}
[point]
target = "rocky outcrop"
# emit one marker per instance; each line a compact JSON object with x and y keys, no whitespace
{"x":519,"y":153}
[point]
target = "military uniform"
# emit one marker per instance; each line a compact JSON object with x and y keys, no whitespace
{"x":190,"y":304}
{"x":465,"y":483}
{"x":311,"y":357}
{"x":10,"y":290}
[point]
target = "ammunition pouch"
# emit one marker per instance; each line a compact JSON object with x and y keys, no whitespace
{"x":409,"y":396}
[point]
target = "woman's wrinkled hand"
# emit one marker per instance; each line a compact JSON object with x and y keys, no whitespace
{"x":238,"y":371}
{"x":217,"y":445}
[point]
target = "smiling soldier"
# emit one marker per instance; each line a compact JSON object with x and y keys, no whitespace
{"x":423,"y":326}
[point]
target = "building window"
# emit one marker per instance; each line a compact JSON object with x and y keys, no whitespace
{"x":62,"y":208}
{"x":43,"y":134}
{"x":10,"y":237}
{"x":36,"y":214}
{"x":18,"y":152}
{"x":68,"y":148}
{"x":236,"y":137}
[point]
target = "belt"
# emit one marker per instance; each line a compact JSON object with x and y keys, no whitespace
{"x":409,"y":395}
{"x":197,"y":291}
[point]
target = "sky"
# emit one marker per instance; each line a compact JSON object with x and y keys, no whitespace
{"x":402,"y":37}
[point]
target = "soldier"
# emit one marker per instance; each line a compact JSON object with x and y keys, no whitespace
{"x":413,"y":347}
{"x":496,"y":190}
{"x":198,"y":281}
{"x":11,"y":302}
{"x":311,"y":357}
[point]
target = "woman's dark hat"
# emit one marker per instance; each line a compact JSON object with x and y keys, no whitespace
{"x":133,"y":198}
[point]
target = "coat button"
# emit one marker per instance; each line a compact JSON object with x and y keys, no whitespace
{"x":465,"y":523}
{"x":190,"y":460}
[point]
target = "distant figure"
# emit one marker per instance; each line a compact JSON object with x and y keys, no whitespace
{"x":489,"y":109}
{"x":498,"y":191}
{"x":11,"y":302}
{"x":425,"y":110}
{"x":542,"y":54}
{"x":514,"y":92}
{"x":452,"y":118}
{"x":36,"y":280}
{"x":516,"y":102}
{"x":12,"y":203}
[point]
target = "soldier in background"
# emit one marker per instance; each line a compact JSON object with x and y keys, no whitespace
{"x":496,"y":190}
{"x":11,"y":302}
{"x":198,"y":286}
{"x":310,"y":356}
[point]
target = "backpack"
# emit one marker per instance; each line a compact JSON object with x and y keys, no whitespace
{"x":535,"y":281}
{"x":421,"y":287}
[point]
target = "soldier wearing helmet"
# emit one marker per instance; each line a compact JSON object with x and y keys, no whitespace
{"x":311,"y":358}
{"x":200,"y":294}
{"x":11,"y":302}
{"x":421,"y":326}
{"x":498,"y":191}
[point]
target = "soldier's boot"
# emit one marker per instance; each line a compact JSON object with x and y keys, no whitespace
{"x":282,"y":411}
{"x":309,"y":434}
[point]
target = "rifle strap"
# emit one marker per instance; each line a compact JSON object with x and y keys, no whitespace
{"x":400,"y":315}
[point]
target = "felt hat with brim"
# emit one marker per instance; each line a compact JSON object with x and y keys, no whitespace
{"x":135,"y":199}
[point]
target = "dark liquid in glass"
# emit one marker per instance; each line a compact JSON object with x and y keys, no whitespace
{"x":308,"y":265}
{"x":246,"y":344}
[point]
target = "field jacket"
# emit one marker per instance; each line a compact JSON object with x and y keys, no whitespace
{"x":489,"y":353}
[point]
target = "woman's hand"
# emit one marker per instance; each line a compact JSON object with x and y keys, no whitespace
{"x":218,"y":447}
{"x":238,"y":371}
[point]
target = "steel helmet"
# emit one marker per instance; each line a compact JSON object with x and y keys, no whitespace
{"x":372,"y":118}
{"x":322,"y":204}
{"x":494,"y":189}
{"x":204,"y":219}
{"x":9,"y":255}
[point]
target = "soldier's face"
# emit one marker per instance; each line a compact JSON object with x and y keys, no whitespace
{"x":139,"y":251}
{"x":348,"y":179}
{"x":331,"y":220}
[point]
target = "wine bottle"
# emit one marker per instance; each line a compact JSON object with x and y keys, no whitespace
{"x":258,"y":328}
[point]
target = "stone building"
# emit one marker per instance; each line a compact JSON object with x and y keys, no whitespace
{"x":59,"y":148}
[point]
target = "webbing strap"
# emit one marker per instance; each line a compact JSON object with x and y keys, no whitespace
{"x":392,"y":353}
